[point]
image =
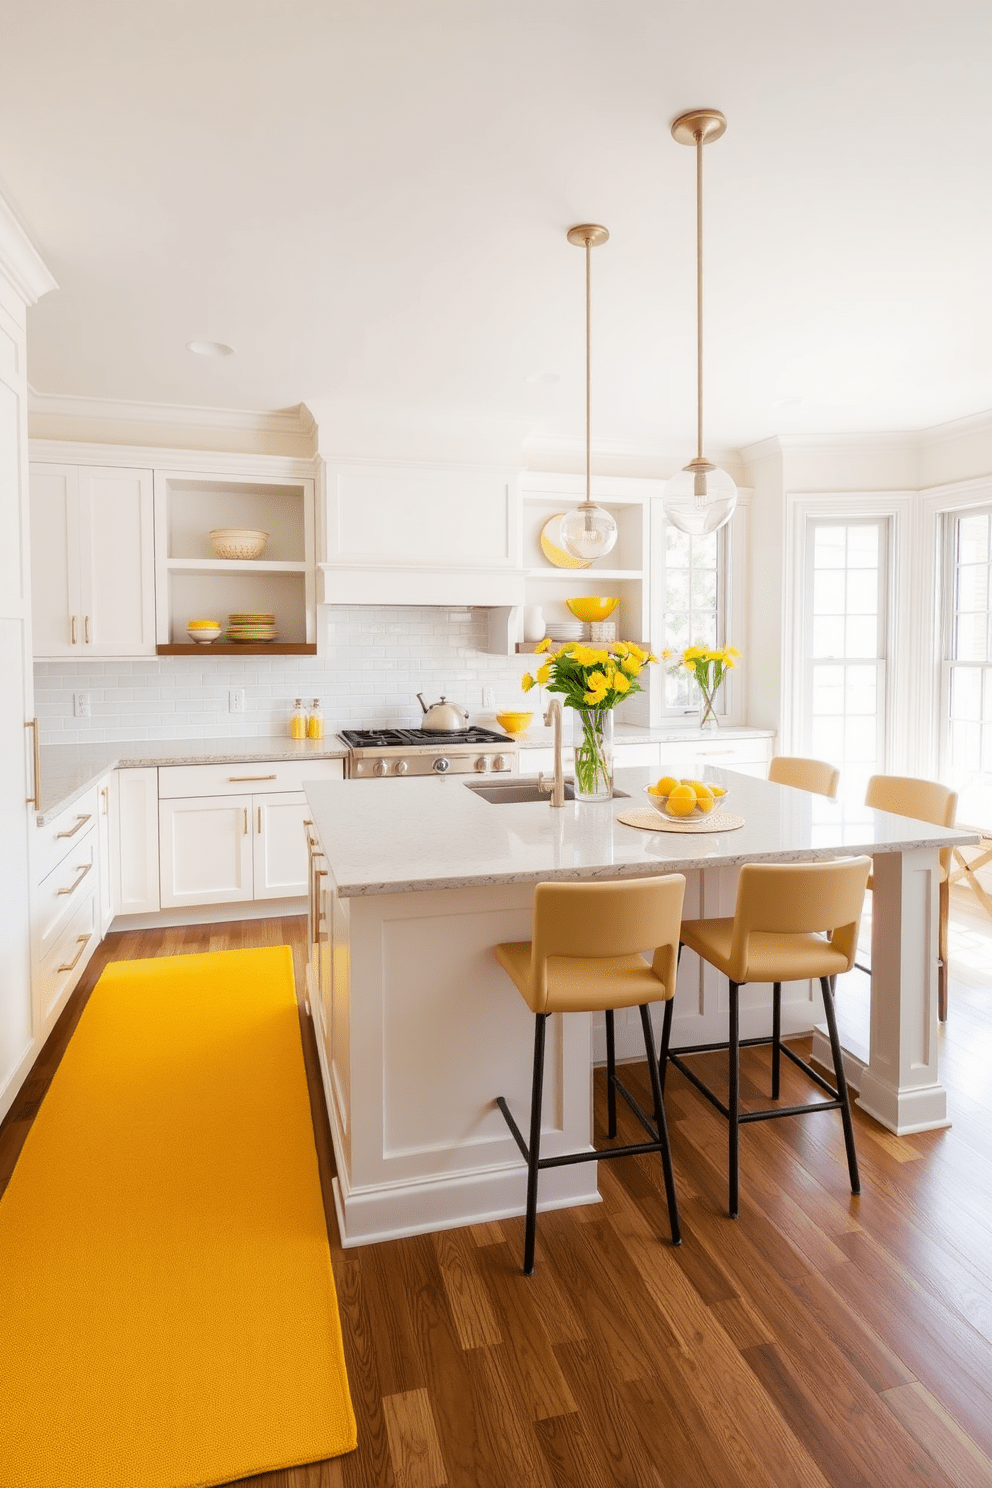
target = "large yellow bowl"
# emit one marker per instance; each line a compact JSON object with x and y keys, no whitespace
{"x":592,"y":607}
{"x":514,"y":723}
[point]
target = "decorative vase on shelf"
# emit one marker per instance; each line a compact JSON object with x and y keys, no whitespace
{"x":593,"y":741}
{"x":533,"y":623}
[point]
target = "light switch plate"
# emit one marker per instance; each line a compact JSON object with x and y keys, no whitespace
{"x":81,"y":704}
{"x":236,"y":700}
{"x":488,"y":697}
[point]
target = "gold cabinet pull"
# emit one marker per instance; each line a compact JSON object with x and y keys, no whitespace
{"x":35,"y":800}
{"x":105,"y":798}
{"x":233,"y":778}
{"x":259,"y":821}
{"x":246,"y":820}
{"x":86,"y":629}
{"x":82,"y":941}
{"x":72,"y":632}
{"x":80,"y":823}
{"x":74,"y":886}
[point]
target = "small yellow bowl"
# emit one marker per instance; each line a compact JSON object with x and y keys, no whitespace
{"x":514,"y":723}
{"x":590,"y":607}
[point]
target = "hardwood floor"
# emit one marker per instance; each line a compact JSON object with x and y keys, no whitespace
{"x":819,"y":1340}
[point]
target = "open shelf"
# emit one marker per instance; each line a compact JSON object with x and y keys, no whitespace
{"x":228,"y":648}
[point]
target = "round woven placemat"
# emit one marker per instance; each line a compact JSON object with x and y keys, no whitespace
{"x":647,"y":817}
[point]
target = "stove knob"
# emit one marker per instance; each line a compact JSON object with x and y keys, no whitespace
{"x":482,"y":764}
{"x":501,"y":762}
{"x":441,"y":765}
{"x":401,"y":767}
{"x":379,"y":768}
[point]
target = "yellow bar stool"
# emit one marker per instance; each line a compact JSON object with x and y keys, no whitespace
{"x":805,"y":774}
{"x":585,"y":956}
{"x":791,"y":921}
{"x":924,"y":800}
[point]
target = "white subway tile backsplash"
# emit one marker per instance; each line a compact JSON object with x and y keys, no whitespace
{"x":377,"y":659}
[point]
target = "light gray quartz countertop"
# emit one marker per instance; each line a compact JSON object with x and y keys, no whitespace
{"x":67,"y":770}
{"x":396,"y":836}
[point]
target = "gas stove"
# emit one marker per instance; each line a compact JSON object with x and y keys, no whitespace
{"x":375,"y":753}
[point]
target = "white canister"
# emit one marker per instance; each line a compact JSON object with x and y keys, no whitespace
{"x":533,"y":623}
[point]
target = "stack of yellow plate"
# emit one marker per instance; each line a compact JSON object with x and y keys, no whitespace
{"x":251,"y":626}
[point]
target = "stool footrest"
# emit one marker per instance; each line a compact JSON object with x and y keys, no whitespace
{"x":635,"y":1149}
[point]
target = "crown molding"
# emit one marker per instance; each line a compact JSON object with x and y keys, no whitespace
{"x":171,"y":426}
{"x":202,"y":462}
{"x":20,"y":260}
{"x":973,"y":423}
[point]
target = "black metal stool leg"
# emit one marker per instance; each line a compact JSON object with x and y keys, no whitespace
{"x":537,"y":1094}
{"x":776,"y":1036}
{"x":659,"y":1117}
{"x":827,"y":984}
{"x":611,"y":1076}
{"x":734,"y":1099}
{"x":666,"y":1030}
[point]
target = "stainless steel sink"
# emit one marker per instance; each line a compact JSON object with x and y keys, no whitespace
{"x":509,"y":792}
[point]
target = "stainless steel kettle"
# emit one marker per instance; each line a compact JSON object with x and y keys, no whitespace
{"x":442,"y":717}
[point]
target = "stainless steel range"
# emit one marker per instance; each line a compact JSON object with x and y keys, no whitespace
{"x":380,"y":752}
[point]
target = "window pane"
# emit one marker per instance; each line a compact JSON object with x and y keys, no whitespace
{"x":704,"y":589}
{"x":828,"y":690}
{"x":966,"y":692}
{"x":860,"y":741}
{"x":861,"y":635}
{"x":966,"y":746}
{"x":677,"y":589}
{"x":829,"y":592}
{"x":862,"y":592}
{"x":862,"y":546}
{"x":829,"y":734}
{"x":829,"y":547}
{"x":973,"y":538}
{"x":828,"y":636}
{"x":862,"y":692}
{"x":971,"y":638}
{"x":973,"y":587}
{"x":676,"y":547}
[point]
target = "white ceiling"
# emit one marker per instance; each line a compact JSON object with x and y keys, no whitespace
{"x":368,"y":199}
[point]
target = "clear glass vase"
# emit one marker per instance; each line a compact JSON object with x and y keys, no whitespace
{"x":593,"y":741}
{"x":708,"y":720}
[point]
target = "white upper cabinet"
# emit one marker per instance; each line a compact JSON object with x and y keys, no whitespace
{"x":92,"y":561}
{"x":413,"y":534}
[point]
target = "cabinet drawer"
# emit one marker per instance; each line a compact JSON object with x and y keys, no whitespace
{"x":244,"y":779}
{"x":52,"y":842}
{"x":680,"y":757}
{"x":60,"y":894}
{"x":66,"y":960}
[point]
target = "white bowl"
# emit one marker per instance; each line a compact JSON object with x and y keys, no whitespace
{"x":238,"y":542}
{"x":660,"y":804}
{"x":203,"y":634}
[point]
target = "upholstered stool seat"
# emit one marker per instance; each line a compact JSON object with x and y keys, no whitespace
{"x":805,"y":774}
{"x":791,"y":922}
{"x":584,"y":956}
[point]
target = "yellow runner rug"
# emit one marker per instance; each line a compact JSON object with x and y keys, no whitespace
{"x":167,"y":1308}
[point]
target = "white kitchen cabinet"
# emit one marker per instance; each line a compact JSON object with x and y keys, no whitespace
{"x":105,"y":834}
{"x":413,"y":534}
{"x":92,"y":561}
{"x":747,"y":754}
{"x":134,"y":876}
{"x":65,"y":906}
{"x":221,"y":842}
{"x":194,"y":584}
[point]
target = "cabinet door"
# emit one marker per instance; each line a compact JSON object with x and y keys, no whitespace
{"x":206,"y":850}
{"x":116,"y":563}
{"x":280,"y":845}
{"x":55,"y":597}
{"x":134,"y":856}
{"x":105,"y":814}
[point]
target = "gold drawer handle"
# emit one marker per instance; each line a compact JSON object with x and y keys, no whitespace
{"x":86,"y":629}
{"x":234,"y":778}
{"x":82,"y":874}
{"x":80,"y":822}
{"x":82,"y":941}
{"x":35,"y":800}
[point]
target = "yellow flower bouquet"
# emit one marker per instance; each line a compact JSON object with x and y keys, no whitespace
{"x":708,"y":667}
{"x":592,"y":680}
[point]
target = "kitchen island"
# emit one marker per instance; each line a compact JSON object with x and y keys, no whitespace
{"x":418,"y":1029}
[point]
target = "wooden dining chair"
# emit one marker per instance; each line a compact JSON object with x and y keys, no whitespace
{"x":584,"y":956}
{"x":791,"y":922}
{"x":929,"y":801}
{"x":805,"y":774}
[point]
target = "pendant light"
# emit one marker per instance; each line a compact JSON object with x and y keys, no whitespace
{"x":588,"y":531}
{"x":702,"y":497}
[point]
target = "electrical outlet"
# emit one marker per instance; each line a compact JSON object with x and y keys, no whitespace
{"x":488,"y":697}
{"x":236,"y":700}
{"x":81,"y":704}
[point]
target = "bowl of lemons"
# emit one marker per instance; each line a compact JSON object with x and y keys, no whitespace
{"x":683,"y":799}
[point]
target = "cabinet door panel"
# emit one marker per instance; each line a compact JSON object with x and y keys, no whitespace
{"x":117,"y":576}
{"x":206,"y":853}
{"x":55,"y":597}
{"x":280,"y":845}
{"x":134,"y":869}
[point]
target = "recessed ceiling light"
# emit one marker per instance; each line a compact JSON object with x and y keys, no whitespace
{"x":209,"y":348}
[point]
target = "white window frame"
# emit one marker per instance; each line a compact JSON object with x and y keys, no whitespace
{"x":947,"y":518}
{"x":906,"y":625}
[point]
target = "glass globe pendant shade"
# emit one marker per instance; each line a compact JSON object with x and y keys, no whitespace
{"x":700,"y":499}
{"x":588,"y":531}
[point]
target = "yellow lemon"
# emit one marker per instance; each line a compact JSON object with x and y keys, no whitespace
{"x":681,"y":801}
{"x":718,"y":790}
{"x":665,"y":786}
{"x":704,"y":797}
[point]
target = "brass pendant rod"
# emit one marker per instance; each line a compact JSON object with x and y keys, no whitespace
{"x":588,"y":374}
{"x":699,"y":294}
